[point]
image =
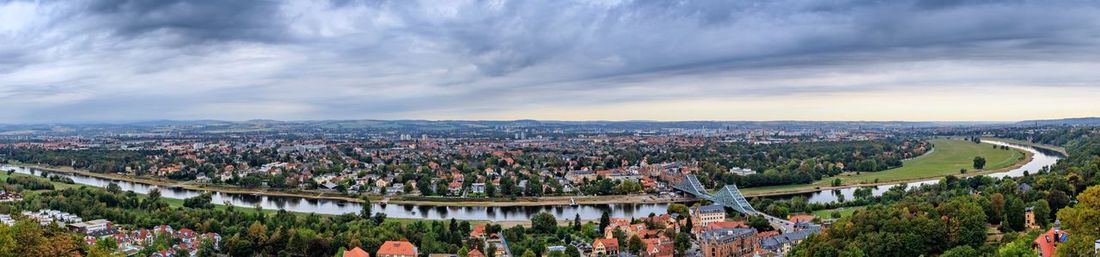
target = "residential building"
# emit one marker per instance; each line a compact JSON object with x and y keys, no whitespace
{"x":704,"y":215}
{"x":579,"y":176}
{"x":477,"y":188}
{"x":605,"y":247}
{"x":1047,"y":243}
{"x":782,"y":243}
{"x":92,"y":227}
{"x":728,"y":242}
{"x":356,"y":252}
{"x":397,"y":249}
{"x":478,"y":232}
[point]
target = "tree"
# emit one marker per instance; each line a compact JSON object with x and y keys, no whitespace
{"x":1083,"y":220}
{"x":635,"y":244}
{"x":571,"y":251}
{"x":605,"y":220}
{"x":114,"y":188}
{"x":1021,"y":247}
{"x":365,"y":212}
{"x":997,"y":207}
{"x":682,"y":243}
{"x":852,"y":250}
{"x":960,"y":251}
{"x":1014,"y":214}
{"x":379,"y":217}
{"x":490,"y":189}
{"x":837,"y":182}
{"x":966,"y":222}
{"x":154,"y":194}
{"x":104,"y":247}
{"x":862,"y":193}
{"x":424,"y":185}
{"x":544,"y":223}
{"x":688,"y":226}
{"x":678,"y":208}
{"x":760,"y":223}
{"x":577,"y":222}
{"x":152,"y":198}
{"x":979,"y":162}
{"x":1041,"y":209}
{"x":201,"y":201}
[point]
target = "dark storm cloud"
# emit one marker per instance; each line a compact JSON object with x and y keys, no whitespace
{"x":199,"y":20}
{"x":355,"y":58}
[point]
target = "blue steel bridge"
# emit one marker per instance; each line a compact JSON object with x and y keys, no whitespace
{"x":728,"y":196}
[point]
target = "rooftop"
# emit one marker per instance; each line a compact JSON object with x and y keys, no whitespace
{"x":397,"y":248}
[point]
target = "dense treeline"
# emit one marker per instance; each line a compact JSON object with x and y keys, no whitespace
{"x":1052,"y":136}
{"x":99,"y":160}
{"x":954,"y":212}
{"x":29,"y":183}
{"x":796,"y":163}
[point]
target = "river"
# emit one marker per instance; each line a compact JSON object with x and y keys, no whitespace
{"x":1041,"y":158}
{"x":336,"y":207}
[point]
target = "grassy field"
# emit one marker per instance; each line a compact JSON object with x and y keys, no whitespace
{"x":828,"y":213}
{"x":948,"y":158}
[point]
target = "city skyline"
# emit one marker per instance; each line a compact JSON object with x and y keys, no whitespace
{"x":87,"y":61}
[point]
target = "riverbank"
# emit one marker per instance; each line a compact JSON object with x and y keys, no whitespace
{"x":547,"y":200}
{"x":442,"y":201}
{"x":907,"y":174}
{"x":1059,"y":149}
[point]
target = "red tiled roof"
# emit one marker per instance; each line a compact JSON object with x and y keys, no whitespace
{"x":475,"y":253}
{"x":356,"y":252}
{"x":1047,"y":242}
{"x":397,"y":248}
{"x":478,"y":231}
{"x":725,"y":224}
{"x":608,"y":243}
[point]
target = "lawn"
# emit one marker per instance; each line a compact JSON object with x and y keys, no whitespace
{"x":948,"y":158}
{"x":828,"y":213}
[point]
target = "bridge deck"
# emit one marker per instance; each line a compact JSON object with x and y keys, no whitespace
{"x":728,"y":196}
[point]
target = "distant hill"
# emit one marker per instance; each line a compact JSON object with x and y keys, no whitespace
{"x":1063,"y":122}
{"x":140,"y":128}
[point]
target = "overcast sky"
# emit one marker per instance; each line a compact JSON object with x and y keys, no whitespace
{"x":114,"y":60}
